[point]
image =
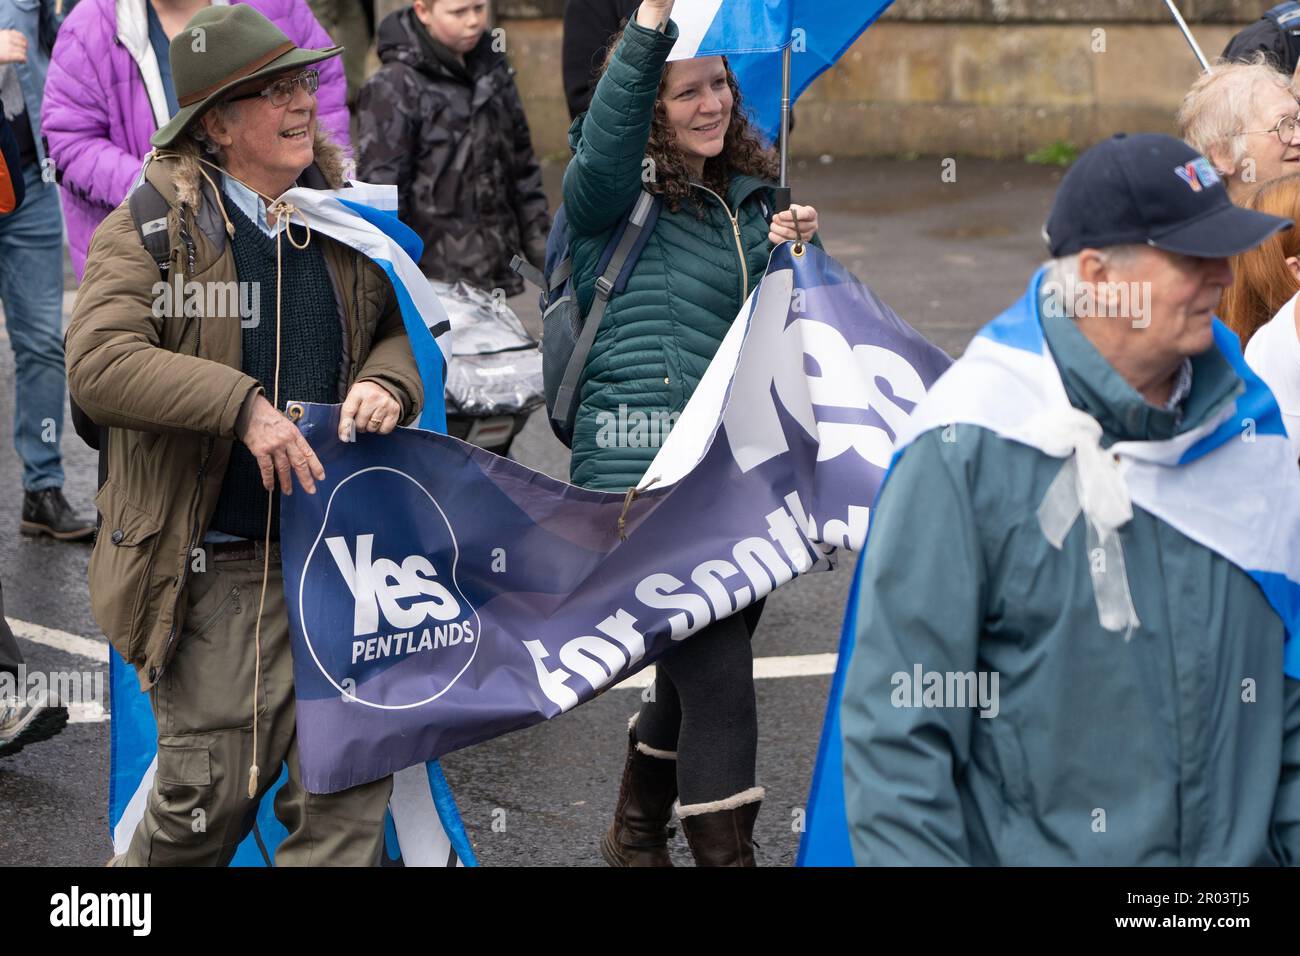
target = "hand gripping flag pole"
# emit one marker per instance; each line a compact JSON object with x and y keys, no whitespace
{"x":1187,"y":34}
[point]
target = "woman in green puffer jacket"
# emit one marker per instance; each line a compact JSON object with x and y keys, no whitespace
{"x":678,"y":130}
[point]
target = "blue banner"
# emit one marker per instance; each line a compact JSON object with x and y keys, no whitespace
{"x":440,"y":595}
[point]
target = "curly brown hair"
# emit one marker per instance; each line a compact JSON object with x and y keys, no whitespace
{"x":742,"y":149}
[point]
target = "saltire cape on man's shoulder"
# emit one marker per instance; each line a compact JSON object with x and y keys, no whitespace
{"x":1005,"y":380}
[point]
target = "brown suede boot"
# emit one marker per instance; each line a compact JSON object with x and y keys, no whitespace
{"x":639,"y":834}
{"x":721,"y":833}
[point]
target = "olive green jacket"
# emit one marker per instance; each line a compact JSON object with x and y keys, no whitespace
{"x":1178,"y":747}
{"x":170,"y":390}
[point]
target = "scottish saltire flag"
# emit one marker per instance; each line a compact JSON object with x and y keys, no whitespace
{"x":423,"y":826}
{"x":751,"y":33}
{"x":364,"y":216}
{"x":1008,"y":382}
{"x":441,"y":595}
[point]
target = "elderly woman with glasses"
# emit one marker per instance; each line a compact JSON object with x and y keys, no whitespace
{"x":1243,"y":117}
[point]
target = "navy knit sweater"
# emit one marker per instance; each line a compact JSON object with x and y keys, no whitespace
{"x":311,"y":354}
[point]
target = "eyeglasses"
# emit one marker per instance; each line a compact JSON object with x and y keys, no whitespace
{"x":281,"y":92}
{"x":1285,"y":129}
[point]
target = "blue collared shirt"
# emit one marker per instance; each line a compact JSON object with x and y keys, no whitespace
{"x":247,"y":201}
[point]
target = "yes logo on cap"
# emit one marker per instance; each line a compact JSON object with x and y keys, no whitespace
{"x":1198,"y":174}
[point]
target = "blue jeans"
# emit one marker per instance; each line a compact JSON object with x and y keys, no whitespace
{"x":31,"y":290}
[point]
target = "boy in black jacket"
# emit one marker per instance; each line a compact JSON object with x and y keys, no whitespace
{"x":442,"y":120}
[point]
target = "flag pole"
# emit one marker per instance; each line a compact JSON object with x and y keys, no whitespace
{"x":783,"y":189}
{"x":1187,"y":34}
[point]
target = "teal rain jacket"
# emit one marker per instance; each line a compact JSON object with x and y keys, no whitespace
{"x":1179,"y":747}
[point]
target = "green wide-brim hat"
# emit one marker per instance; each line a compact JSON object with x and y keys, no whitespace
{"x":222,"y":48}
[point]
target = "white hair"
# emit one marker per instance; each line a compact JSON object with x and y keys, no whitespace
{"x":1062,"y":275}
{"x":1215,"y":112}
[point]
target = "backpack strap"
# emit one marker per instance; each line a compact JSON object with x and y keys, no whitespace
{"x":636,"y":222}
{"x":149,"y":213}
{"x":528,"y":271}
{"x":561,"y":274}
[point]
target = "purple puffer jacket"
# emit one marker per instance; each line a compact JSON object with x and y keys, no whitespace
{"x":104,"y":99}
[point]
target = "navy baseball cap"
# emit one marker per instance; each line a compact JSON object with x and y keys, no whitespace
{"x":1151,"y":189}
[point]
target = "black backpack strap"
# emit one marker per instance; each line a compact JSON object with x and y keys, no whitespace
{"x":567,"y":393}
{"x":149,"y":213}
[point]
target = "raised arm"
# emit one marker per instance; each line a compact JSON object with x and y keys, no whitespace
{"x":604,"y":177}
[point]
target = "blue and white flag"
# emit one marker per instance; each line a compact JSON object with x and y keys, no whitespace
{"x":441,"y":595}
{"x":364,"y":216}
{"x":423,"y":825}
{"x":751,"y":34}
{"x":1229,"y":484}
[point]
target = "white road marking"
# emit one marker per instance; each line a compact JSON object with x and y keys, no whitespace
{"x":60,"y":640}
{"x":91,"y":712}
{"x":797,"y":665}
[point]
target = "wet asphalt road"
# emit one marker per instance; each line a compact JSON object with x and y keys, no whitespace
{"x":947,"y":256}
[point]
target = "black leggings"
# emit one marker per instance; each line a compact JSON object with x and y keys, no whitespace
{"x":703,"y":708}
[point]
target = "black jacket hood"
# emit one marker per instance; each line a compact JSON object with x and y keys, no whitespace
{"x":402,"y":38}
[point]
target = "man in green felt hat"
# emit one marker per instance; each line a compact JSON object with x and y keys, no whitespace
{"x":190,"y":386}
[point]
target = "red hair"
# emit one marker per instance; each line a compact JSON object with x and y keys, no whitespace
{"x":1262,"y":281}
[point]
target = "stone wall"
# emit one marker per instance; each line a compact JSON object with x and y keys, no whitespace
{"x":996,"y":78}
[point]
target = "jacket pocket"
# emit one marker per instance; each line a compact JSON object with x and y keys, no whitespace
{"x":1012,"y":763}
{"x":184,"y":766}
{"x":120,"y":569}
{"x":1014,"y":830}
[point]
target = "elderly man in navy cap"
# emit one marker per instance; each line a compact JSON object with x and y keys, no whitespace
{"x":1072,"y":635}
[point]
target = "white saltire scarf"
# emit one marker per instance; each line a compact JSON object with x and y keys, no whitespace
{"x":1230,"y":484}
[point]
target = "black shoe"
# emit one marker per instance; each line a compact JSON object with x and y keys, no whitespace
{"x":48,"y":512}
{"x":21,"y":725}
